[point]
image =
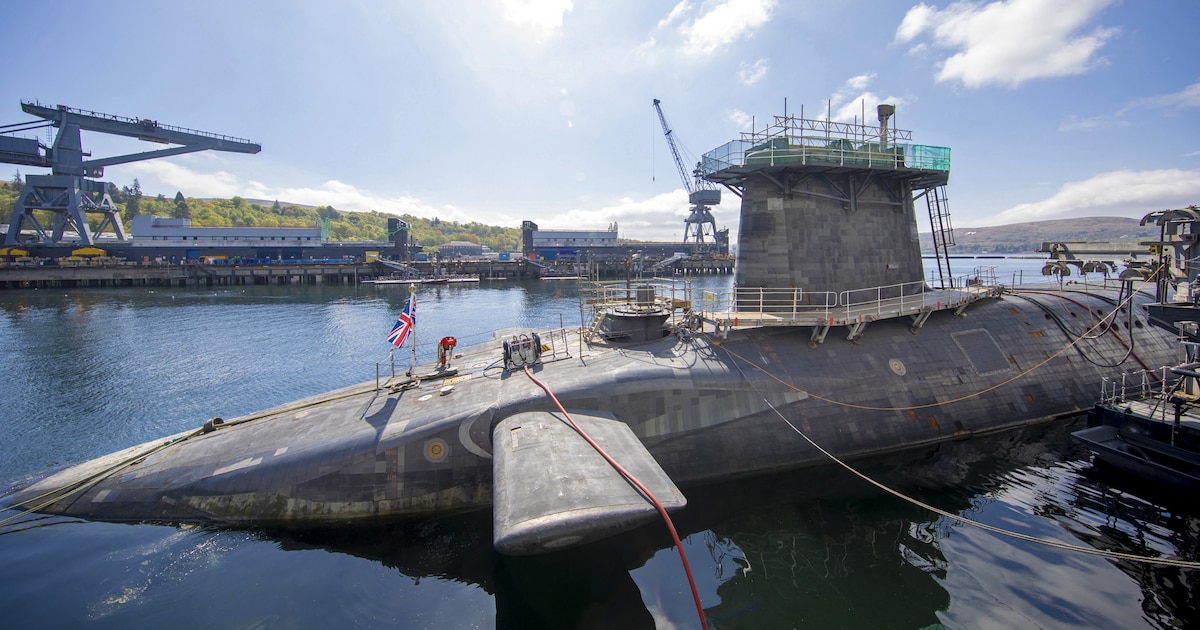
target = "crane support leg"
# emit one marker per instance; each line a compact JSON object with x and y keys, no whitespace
{"x":69,"y":199}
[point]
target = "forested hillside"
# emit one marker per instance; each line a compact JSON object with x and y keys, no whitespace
{"x":343,"y":226}
{"x":372,"y":226}
{"x":1019,"y":238}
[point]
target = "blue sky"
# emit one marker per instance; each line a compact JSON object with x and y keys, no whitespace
{"x":505,"y":110}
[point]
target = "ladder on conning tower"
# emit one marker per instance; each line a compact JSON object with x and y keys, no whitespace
{"x":943,"y":232}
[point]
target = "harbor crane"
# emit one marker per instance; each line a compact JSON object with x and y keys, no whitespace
{"x":701,"y":193}
{"x":67,"y":193}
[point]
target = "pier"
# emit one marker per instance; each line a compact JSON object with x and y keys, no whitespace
{"x":47,"y":274}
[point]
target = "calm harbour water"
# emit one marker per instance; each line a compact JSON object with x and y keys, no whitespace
{"x":86,"y":372}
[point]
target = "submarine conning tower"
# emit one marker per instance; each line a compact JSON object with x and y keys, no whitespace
{"x":828,"y":207}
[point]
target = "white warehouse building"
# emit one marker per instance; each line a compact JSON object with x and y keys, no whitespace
{"x":157,"y":231}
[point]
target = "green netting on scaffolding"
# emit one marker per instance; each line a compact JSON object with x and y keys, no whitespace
{"x":931,"y":158}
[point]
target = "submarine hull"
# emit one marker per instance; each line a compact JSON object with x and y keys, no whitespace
{"x":705,"y":409}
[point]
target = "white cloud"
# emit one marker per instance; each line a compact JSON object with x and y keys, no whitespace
{"x":915,"y":21}
{"x":740,"y":118}
{"x":676,"y":12}
{"x":1122,"y":193}
{"x":166,"y":175}
{"x":859,"y":82}
{"x":174,"y":177}
{"x":1186,"y":98}
{"x":724,"y":23}
{"x":545,"y":16}
{"x":1008,"y":42}
{"x":918,"y":49}
{"x":659,"y":218}
{"x":853,"y":101}
{"x":751,"y":73}
{"x":862,"y":108}
{"x":1092,"y":123}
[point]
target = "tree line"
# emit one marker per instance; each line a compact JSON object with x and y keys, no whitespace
{"x":238,"y":212}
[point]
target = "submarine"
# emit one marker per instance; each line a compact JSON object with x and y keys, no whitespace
{"x":830,"y":343}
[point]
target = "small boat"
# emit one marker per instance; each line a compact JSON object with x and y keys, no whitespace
{"x":389,"y":281}
{"x":422,"y":280}
{"x":1149,"y":427}
{"x":1147,"y":424}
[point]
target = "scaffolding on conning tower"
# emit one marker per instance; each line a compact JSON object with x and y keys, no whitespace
{"x":825,"y":145}
{"x":791,"y":141}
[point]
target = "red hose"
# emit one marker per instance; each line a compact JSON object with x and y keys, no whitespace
{"x":662,"y":511}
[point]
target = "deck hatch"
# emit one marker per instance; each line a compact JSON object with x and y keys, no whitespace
{"x":981,"y":350}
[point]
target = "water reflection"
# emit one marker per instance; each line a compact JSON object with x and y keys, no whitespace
{"x":814,"y":547}
{"x":821,"y":548}
{"x":1143,"y":518}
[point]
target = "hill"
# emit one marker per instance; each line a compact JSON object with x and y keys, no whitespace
{"x":372,"y":226}
{"x":1020,"y":238}
{"x":343,"y":226}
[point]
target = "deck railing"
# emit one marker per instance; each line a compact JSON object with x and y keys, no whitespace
{"x":794,"y":306}
{"x":792,"y":140}
{"x":640,"y":296}
{"x":784,"y":151}
{"x":1136,"y":385}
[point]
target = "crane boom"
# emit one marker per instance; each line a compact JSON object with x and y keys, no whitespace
{"x":70,"y":121}
{"x":674,"y":150}
{"x":70,"y":192}
{"x":700,"y":191}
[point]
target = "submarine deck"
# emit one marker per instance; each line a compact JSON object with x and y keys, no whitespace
{"x":755,"y":307}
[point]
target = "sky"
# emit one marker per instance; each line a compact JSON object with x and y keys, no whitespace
{"x":500,"y":111}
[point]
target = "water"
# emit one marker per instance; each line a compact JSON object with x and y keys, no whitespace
{"x":89,"y":371}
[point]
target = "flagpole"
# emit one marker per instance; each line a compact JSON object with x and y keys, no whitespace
{"x":412,"y":302}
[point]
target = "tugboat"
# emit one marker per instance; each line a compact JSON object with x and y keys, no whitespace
{"x":1148,"y":423}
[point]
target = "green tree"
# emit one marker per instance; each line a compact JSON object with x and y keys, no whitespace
{"x":133,"y":201}
{"x":114,"y":192}
{"x":182,"y":211}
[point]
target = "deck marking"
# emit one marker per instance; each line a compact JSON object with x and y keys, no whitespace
{"x":245,"y":463}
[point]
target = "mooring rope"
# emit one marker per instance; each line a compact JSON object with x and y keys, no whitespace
{"x":81,"y":485}
{"x":1116,"y":555}
{"x":976,"y":394}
